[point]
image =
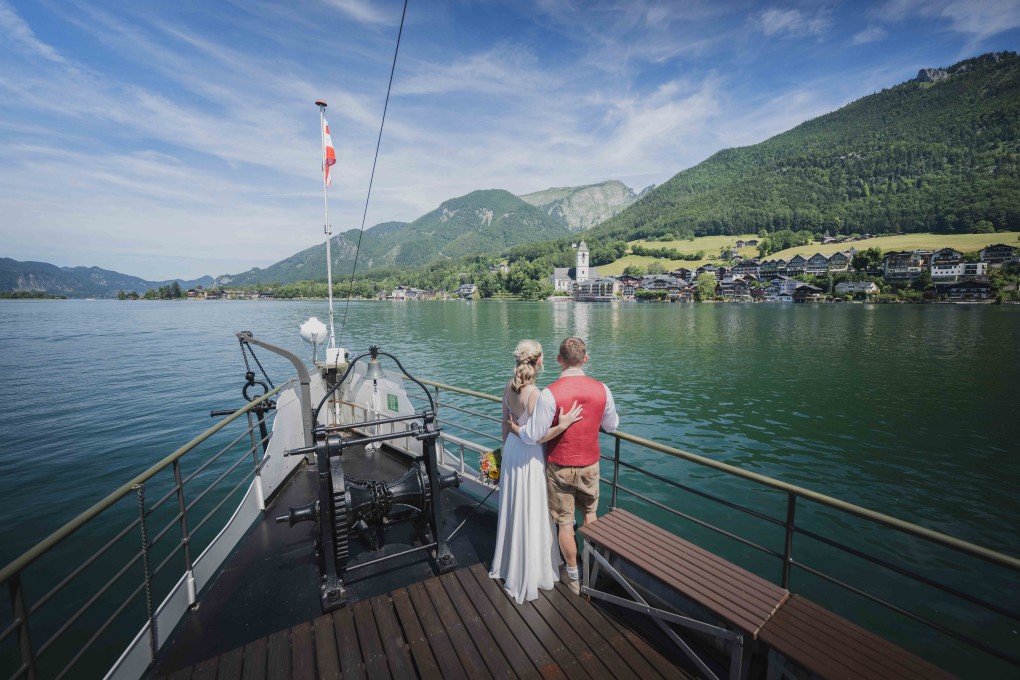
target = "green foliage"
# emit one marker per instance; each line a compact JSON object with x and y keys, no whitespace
{"x":783,"y":239}
{"x":704,"y":287}
{"x":171,"y":292}
{"x":867,"y":259}
{"x":30,"y":295}
{"x":634,"y":270}
{"x":915,"y":157}
{"x":667,"y":253}
{"x":656,"y":268}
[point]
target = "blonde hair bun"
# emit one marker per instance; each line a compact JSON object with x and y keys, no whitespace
{"x":527,"y":353}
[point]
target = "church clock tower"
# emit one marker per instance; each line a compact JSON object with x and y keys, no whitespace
{"x":581,"y":273}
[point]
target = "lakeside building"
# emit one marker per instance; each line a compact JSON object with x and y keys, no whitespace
{"x":684,"y":274}
{"x":965,"y":291}
{"x":805,"y":292}
{"x":467,"y":290}
{"x":856,"y":288}
{"x":669,"y":287}
{"x":905,"y":265}
{"x":781,"y":288}
{"x":597,"y":290}
{"x":997,"y":254}
{"x":750,"y":266}
{"x":734,"y":290}
{"x":564,"y":279}
{"x":948,"y":265}
{"x":797,"y":266}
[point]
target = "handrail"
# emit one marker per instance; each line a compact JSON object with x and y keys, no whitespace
{"x":44,"y":546}
{"x":820,"y":498}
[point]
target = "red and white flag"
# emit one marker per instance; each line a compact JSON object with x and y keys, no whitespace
{"x":329,"y":154}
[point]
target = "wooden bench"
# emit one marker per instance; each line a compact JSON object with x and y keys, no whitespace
{"x":740,"y":601}
{"x":828,"y":646}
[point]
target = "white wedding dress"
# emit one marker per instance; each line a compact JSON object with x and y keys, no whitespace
{"x":526,"y":557}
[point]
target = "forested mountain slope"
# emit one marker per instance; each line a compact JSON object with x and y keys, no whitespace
{"x":479,"y":223}
{"x":937,"y":153}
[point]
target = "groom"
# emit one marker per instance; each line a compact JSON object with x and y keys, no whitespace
{"x":572,"y":470}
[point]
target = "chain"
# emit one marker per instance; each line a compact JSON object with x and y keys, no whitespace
{"x":244,"y":355}
{"x":258,"y":363}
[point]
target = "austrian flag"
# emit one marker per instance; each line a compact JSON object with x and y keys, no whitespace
{"x":329,"y":155}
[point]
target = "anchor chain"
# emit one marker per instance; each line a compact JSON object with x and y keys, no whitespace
{"x":250,"y":374}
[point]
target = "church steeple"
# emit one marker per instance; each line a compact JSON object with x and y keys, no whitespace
{"x":582,"y":263}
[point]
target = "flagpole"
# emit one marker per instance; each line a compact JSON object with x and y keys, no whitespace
{"x":325,"y":207}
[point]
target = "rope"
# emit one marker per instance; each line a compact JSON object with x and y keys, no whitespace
{"x":371,"y":180}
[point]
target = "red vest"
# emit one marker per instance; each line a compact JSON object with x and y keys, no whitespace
{"x":579,"y":443}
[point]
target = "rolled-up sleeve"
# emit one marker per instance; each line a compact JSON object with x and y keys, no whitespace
{"x":541,"y":420}
{"x":610,"y":419}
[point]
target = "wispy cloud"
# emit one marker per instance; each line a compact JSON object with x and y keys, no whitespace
{"x":869,"y":35}
{"x":21,"y":34}
{"x":794,"y":23}
{"x":978,"y":19}
{"x":363,"y":11}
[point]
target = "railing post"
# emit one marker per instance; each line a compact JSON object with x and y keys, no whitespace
{"x":185,"y":536}
{"x":791,"y":508}
{"x":616,"y":470}
{"x":21,"y":614}
{"x":147,"y":570}
{"x":259,"y":497}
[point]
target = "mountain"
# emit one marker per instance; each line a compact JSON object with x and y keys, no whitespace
{"x":581,"y":208}
{"x":77,"y":282}
{"x":479,"y":223}
{"x":938,"y":153}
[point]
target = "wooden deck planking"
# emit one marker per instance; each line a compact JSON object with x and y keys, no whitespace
{"x":459,"y":625}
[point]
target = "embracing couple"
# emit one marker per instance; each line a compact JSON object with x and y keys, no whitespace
{"x":550,"y":466}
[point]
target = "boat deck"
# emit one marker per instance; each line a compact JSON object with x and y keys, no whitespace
{"x":459,"y":625}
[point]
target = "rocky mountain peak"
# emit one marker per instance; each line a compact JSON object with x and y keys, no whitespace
{"x":583,"y":207}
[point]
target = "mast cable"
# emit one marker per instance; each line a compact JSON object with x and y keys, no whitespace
{"x":371,"y":179}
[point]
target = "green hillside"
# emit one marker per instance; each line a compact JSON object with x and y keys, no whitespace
{"x":480,"y":223}
{"x":920,"y":156}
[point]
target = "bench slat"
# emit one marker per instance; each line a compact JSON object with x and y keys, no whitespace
{"x":752,"y":586}
{"x":704,"y":586}
{"x":829,"y":645}
{"x":736,"y":595}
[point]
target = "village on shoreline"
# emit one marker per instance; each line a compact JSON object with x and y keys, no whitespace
{"x":919,"y":275}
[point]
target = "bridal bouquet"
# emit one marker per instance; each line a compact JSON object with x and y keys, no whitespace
{"x":489,"y":463}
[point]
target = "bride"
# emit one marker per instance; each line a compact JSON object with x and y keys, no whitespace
{"x":527,"y":556}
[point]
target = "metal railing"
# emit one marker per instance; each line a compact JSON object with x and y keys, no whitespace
{"x":87,"y":598}
{"x":795,"y":498}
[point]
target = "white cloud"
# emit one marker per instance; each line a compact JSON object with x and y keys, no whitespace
{"x":869,"y":35}
{"x":19,"y":33}
{"x":791,"y":23}
{"x":363,"y":11}
{"x":976,"y":18}
{"x":501,"y":69}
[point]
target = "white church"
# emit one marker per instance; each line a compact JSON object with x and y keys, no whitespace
{"x":581,"y":281}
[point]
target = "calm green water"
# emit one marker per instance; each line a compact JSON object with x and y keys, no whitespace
{"x":909,"y":410}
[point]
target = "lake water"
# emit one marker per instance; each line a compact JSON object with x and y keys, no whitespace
{"x":908,"y":410}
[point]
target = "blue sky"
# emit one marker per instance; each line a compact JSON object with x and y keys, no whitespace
{"x":177,"y":139}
